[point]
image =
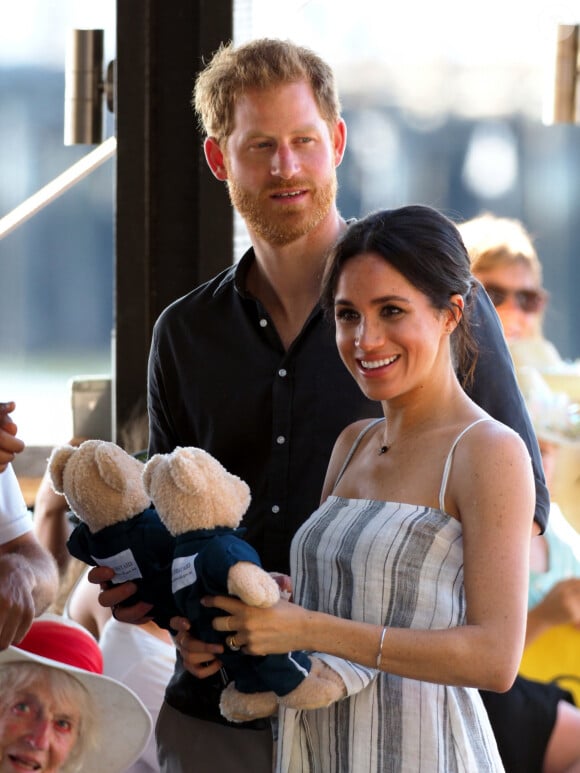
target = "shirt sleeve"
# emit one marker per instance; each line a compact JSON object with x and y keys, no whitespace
{"x":495,"y":389}
{"x":162,"y":438}
{"x":15,"y":518}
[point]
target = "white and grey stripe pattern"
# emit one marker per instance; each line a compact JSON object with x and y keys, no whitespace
{"x":399,"y":565}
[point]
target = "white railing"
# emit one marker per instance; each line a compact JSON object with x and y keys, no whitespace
{"x":58,"y":186}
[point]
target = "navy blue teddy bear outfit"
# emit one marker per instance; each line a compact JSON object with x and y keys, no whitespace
{"x":139,"y":549}
{"x":212,"y":552}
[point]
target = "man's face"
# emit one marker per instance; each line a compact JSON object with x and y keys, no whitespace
{"x":280,"y":162}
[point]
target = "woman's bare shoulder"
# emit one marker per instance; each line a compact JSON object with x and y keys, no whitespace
{"x":342,"y":446}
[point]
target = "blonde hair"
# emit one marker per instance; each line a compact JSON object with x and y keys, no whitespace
{"x":18,"y":676}
{"x":498,"y":241}
{"x":259,"y":64}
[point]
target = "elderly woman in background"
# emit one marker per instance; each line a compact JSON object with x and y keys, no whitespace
{"x":58,"y":713}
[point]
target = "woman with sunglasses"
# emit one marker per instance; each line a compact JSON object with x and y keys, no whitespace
{"x":505,"y":261}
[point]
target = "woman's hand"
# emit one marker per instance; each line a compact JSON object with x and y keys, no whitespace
{"x":266,"y":631}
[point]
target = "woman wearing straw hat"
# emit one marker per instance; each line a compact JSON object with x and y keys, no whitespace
{"x":58,"y":713}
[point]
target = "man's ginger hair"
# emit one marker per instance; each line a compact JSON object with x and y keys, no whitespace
{"x":259,"y":64}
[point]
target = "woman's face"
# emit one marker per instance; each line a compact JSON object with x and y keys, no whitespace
{"x":388,"y":334}
{"x":517,"y":299}
{"x":36,"y":734}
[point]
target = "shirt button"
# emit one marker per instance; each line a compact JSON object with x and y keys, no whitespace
{"x":280,"y":440}
{"x":263,"y":322}
{"x":275,"y":509}
{"x":282,"y":372}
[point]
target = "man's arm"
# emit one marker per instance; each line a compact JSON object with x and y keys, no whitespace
{"x":495,"y":389}
{"x":28,"y":584}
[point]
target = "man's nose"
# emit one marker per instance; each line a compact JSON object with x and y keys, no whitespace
{"x":284,"y":162}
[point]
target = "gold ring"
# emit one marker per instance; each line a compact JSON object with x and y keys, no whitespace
{"x":231,"y":642}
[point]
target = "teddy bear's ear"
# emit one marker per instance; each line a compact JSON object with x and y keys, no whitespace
{"x":57,"y":461}
{"x":184,"y":468}
{"x":149,"y":470}
{"x":116,"y":467}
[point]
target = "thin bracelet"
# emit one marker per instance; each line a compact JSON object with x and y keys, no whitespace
{"x":380,"y":655}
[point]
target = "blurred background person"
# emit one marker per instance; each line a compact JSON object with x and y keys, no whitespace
{"x":552,"y":645}
{"x":505,"y":261}
{"x":28,"y":577}
{"x":58,"y":713}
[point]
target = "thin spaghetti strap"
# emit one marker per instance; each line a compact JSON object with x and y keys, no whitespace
{"x":353,"y":448}
{"x":447,"y":468}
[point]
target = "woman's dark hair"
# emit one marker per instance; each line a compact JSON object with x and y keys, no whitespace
{"x":425,"y":247}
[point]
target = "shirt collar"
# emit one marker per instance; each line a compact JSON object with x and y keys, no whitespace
{"x":238,"y":273}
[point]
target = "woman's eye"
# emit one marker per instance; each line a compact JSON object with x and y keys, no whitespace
{"x":63,"y":725}
{"x":345,"y":315}
{"x":22,"y":707}
{"x":391,"y":311}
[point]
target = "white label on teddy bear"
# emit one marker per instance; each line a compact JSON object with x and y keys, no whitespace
{"x":123,"y":563}
{"x":183,"y":572}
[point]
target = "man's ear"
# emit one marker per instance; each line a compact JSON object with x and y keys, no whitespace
{"x":215,"y":158}
{"x":339,"y":141}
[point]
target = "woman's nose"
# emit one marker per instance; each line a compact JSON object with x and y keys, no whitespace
{"x":368,"y":336}
{"x":38,"y":735}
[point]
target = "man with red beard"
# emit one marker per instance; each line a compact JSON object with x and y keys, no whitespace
{"x":246,"y":366}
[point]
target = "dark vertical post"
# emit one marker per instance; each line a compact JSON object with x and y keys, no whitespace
{"x":174,"y":223}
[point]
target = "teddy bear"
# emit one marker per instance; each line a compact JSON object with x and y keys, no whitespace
{"x":202,"y":505}
{"x":103,"y":486}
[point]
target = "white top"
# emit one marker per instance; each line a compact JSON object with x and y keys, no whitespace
{"x":400,"y":565}
{"x":15,"y":518}
{"x":144,"y":663}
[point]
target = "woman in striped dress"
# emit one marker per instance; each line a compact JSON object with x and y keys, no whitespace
{"x":410,"y":580}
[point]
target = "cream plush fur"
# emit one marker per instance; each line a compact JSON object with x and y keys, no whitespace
{"x":103,"y":486}
{"x":101,"y":482}
{"x":192,"y":491}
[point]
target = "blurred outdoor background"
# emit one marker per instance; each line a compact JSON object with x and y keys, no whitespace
{"x":444,"y":105}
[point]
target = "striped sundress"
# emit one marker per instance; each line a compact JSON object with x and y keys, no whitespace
{"x":391,"y":564}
